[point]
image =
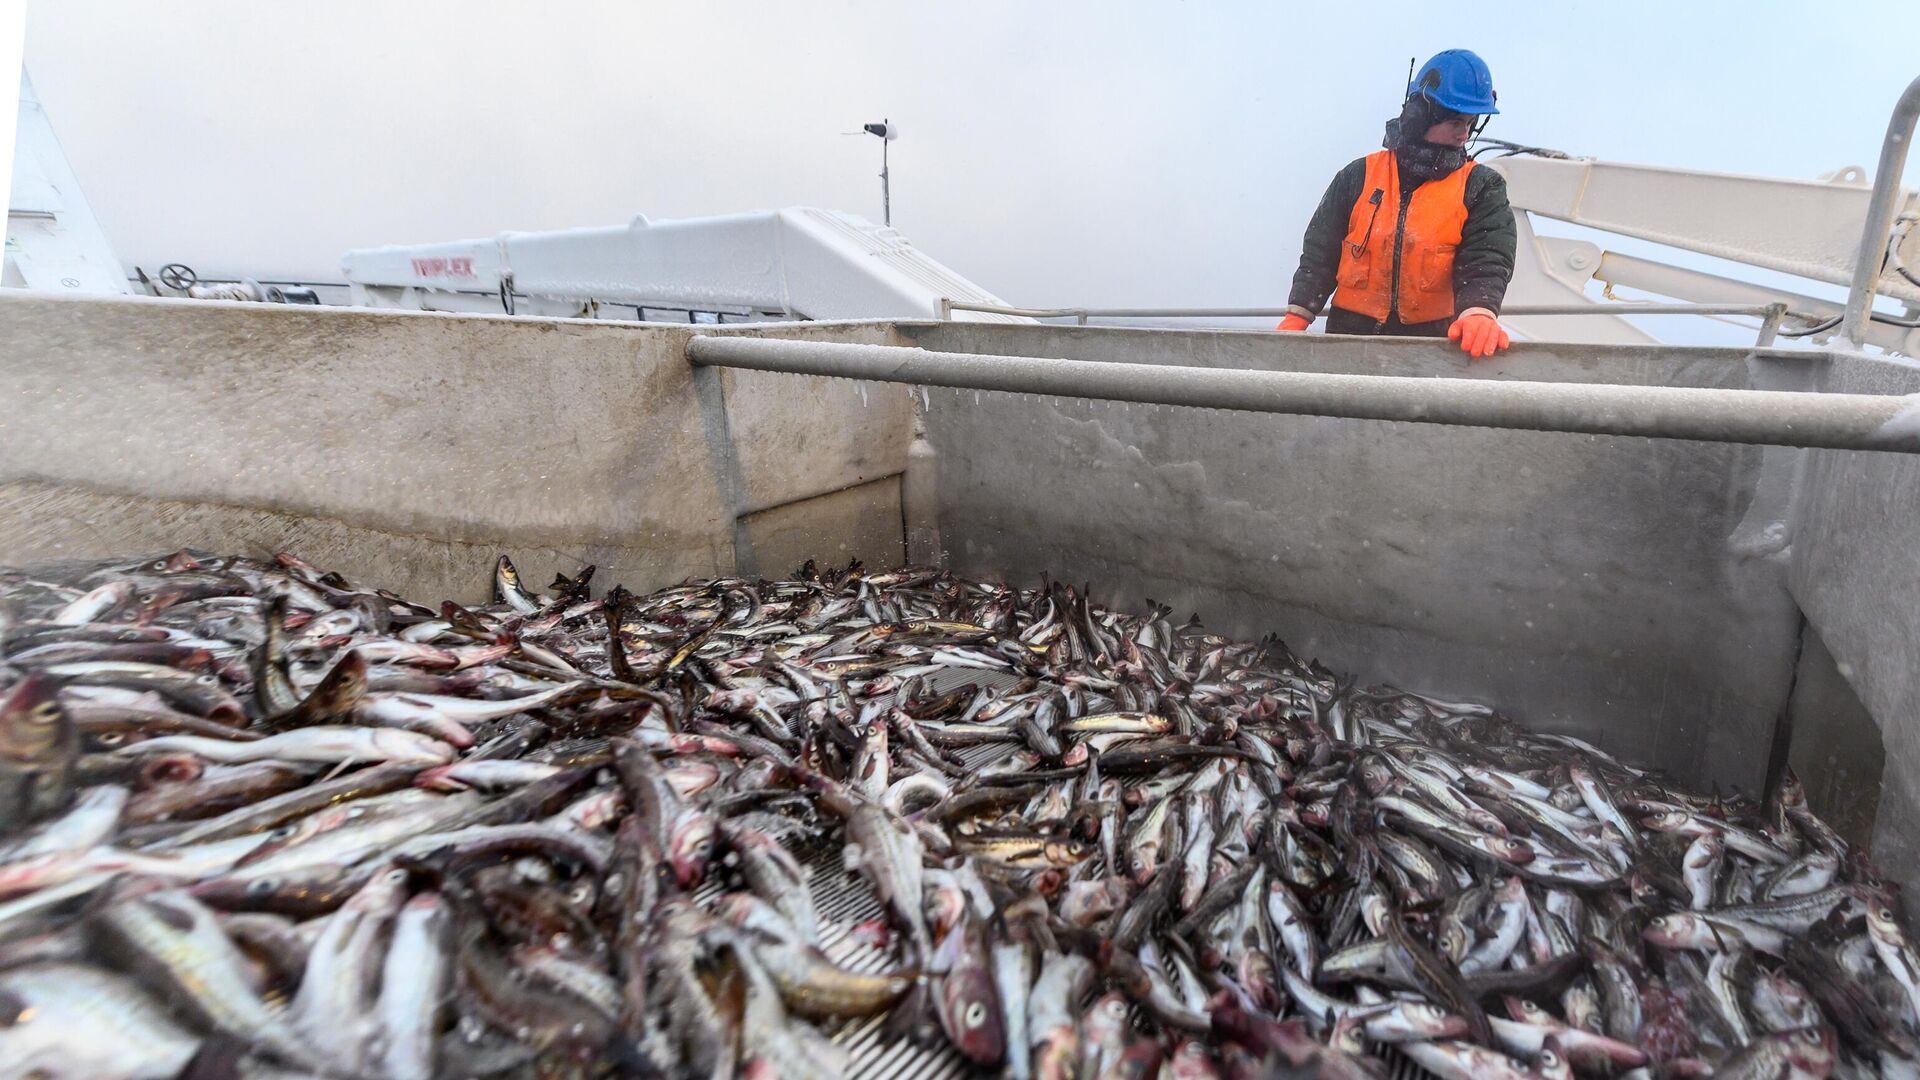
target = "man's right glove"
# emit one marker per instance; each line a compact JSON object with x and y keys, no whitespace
{"x":1294,"y":322}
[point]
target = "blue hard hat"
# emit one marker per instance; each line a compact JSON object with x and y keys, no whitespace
{"x":1458,"y":80}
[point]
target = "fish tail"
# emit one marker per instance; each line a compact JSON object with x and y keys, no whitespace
{"x":913,"y":1017}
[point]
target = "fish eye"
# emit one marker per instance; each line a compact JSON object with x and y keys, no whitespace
{"x":44,"y":713}
{"x":976,"y":1015}
{"x":262,"y":886}
{"x":1810,"y":1036}
{"x":1549,"y":1059}
{"x":109,"y":738}
{"x":284,"y":832}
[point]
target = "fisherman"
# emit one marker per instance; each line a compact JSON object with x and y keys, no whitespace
{"x":1413,"y":240}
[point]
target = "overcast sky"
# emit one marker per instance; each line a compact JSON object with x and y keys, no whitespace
{"x":1056,"y":153}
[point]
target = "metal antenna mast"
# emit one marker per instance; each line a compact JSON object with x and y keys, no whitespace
{"x":887,"y":133}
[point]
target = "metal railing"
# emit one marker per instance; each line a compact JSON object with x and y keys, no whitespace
{"x":1764,"y":417}
{"x":1770,"y":315}
{"x":1873,"y":237}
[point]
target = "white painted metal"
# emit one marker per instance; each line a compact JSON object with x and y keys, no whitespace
{"x":1554,"y":270}
{"x":54,"y":243}
{"x":1701,"y":287}
{"x":799,"y":262}
{"x":13,"y":41}
{"x":1808,"y":228}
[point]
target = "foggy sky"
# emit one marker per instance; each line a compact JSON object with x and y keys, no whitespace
{"x":1056,"y":153}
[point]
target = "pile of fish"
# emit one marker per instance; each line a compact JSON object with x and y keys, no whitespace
{"x":260,"y":820}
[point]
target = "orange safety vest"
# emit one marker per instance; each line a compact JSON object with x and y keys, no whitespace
{"x":1432,"y":230}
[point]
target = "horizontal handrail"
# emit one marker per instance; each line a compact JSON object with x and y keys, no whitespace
{"x":1636,"y":308}
{"x":1765,"y":417}
{"x":1769,"y":315}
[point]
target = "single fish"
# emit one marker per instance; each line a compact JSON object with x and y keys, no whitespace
{"x":815,"y":987}
{"x":334,"y":1006}
{"x":90,"y":821}
{"x":71,"y":1020}
{"x":38,"y":748}
{"x":969,"y":1005}
{"x":1013,"y":972}
{"x":170,"y":937}
{"x":774,"y":875}
{"x":1891,"y":944}
{"x":324,"y":745}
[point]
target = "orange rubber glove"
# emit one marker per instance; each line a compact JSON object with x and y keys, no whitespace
{"x":1294,"y":322}
{"x":1478,"y":332}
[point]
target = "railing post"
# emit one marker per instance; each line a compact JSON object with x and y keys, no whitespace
{"x":1873,"y":237}
{"x":1770,"y":325}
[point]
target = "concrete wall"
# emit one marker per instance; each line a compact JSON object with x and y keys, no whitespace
{"x":409,"y":449}
{"x":1585,"y":583}
{"x":1856,"y":573}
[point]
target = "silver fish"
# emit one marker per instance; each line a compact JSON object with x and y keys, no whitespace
{"x":71,"y":1020}
{"x":326,"y":745}
{"x":172,"y":937}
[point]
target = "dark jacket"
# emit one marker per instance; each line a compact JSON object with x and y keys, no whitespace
{"x":1482,"y":265}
